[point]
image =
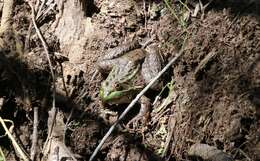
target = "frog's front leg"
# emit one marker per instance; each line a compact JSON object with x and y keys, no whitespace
{"x":143,"y":115}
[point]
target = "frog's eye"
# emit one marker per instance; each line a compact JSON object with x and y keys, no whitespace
{"x":117,"y":86}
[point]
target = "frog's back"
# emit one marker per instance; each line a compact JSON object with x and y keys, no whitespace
{"x":136,"y":55}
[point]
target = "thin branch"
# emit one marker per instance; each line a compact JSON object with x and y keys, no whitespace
{"x":54,"y":110}
{"x":35,"y":133}
{"x":28,"y":36}
{"x":130,"y":106}
{"x":42,"y":41}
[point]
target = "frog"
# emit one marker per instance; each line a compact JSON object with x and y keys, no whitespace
{"x":130,"y":67}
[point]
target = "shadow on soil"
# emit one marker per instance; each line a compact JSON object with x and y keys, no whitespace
{"x":238,"y":7}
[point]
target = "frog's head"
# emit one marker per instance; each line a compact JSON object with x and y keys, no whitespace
{"x":115,"y":93}
{"x":118,"y":88}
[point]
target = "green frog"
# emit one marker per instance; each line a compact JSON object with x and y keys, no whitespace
{"x":129,"y":68}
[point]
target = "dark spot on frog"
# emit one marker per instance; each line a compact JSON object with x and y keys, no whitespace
{"x":106,"y":83}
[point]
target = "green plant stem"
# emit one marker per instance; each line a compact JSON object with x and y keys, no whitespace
{"x":2,"y":154}
{"x":173,"y":13}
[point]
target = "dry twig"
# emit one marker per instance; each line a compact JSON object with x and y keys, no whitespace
{"x":54,"y":110}
{"x":23,"y":155}
{"x":35,"y":133}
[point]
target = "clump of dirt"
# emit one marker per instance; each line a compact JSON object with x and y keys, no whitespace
{"x":84,"y":138}
{"x":215,"y":108}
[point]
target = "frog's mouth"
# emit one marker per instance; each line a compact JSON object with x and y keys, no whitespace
{"x":118,"y":97}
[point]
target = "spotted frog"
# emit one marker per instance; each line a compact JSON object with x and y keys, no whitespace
{"x":129,"y":68}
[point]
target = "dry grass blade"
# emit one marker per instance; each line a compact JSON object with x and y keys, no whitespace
{"x":54,"y":110}
{"x":35,"y":133}
{"x":173,"y":13}
{"x":15,"y":144}
{"x":2,"y":156}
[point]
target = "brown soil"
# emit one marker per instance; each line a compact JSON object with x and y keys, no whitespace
{"x":215,"y":95}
